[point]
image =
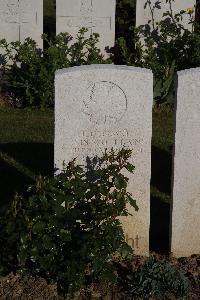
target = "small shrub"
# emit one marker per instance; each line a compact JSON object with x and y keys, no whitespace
{"x":68,"y":230}
{"x":28,"y":72}
{"x":169,"y":47}
{"x":155,"y":278}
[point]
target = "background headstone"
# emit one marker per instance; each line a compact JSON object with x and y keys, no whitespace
{"x":144,"y":15}
{"x":96,"y":15}
{"x":105,"y":106}
{"x":20,"y":19}
{"x":186,"y":167}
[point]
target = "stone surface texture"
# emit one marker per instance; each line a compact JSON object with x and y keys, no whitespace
{"x":144,"y":15}
{"x":20,"y":19}
{"x":186,"y":166}
{"x":105,"y":106}
{"x":97,"y":16}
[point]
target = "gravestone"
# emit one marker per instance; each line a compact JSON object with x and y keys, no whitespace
{"x":105,"y":106}
{"x":186,"y":167}
{"x":20,"y":19}
{"x":97,"y":16}
{"x":144,"y":15}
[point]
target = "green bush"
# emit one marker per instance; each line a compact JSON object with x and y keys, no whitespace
{"x":28,"y":73}
{"x":155,"y":278}
{"x":67,"y":230}
{"x":169,"y":47}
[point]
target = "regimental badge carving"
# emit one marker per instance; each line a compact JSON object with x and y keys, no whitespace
{"x":15,"y":11}
{"x":87,"y":18}
{"x":86,"y":7}
{"x":104,"y":103}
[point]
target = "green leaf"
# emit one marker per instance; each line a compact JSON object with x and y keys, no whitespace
{"x":120,"y":182}
{"x":132,"y":202}
{"x":65,"y":235}
{"x":39,"y":227}
{"x":130,"y":167}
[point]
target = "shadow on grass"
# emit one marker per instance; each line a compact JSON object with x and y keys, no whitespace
{"x":161,"y":168}
{"x":50,"y":26}
{"x":38,"y":158}
{"x":159,"y":228}
{"x":11,"y":181}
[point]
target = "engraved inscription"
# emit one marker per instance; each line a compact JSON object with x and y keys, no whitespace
{"x":133,"y":242}
{"x":15,"y":11}
{"x":86,"y":7}
{"x":104,"y":103}
{"x":86,"y":18}
{"x":91,"y":143}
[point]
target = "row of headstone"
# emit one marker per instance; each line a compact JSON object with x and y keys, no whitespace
{"x":105,"y":106}
{"x":20,"y":19}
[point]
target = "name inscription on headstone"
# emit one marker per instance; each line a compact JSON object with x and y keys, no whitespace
{"x":99,"y":141}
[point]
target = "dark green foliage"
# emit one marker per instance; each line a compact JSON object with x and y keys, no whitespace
{"x":125,"y":17}
{"x":125,"y":24}
{"x":28,"y":75}
{"x":169,"y":47}
{"x":49,"y":17}
{"x":154,"y":278}
{"x":67,"y":230}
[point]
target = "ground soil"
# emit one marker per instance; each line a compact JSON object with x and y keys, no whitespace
{"x":16,"y":286}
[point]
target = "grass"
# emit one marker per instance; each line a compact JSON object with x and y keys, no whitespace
{"x":49,"y":7}
{"x":26,"y":150}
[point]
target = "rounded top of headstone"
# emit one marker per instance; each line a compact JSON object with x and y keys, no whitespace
{"x":103,"y":67}
{"x":187,"y":72}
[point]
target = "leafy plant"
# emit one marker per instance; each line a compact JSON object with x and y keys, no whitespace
{"x":155,"y":278}
{"x":67,"y":230}
{"x":28,"y":72}
{"x":164,"y":47}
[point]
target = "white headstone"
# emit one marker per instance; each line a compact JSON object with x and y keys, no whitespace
{"x":186,"y":168}
{"x":20,"y":19}
{"x":144,"y":15}
{"x":105,"y":106}
{"x":96,"y":15}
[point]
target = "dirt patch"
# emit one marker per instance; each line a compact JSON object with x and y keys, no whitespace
{"x":17,"y":286}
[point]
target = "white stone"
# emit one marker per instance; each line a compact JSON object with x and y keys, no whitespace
{"x":96,"y":15}
{"x":105,"y":106}
{"x":186,"y":167}
{"x":144,"y":15}
{"x":20,"y":19}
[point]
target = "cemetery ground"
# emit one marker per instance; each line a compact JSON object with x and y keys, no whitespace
{"x":26,"y":150}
